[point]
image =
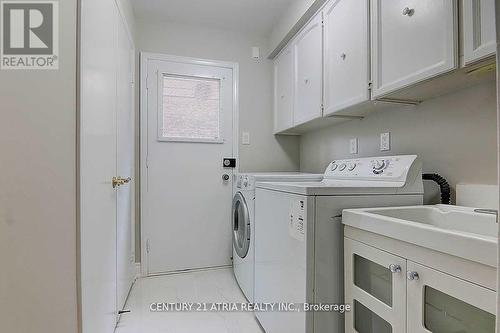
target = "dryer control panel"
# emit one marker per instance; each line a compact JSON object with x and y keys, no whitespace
{"x":387,"y":168}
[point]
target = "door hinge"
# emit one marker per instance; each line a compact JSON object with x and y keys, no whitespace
{"x":148,"y":247}
{"x":370,"y":85}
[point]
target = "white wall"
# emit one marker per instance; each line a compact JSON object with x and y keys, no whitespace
{"x":128,"y":13}
{"x":296,"y":15}
{"x":455,"y":135}
{"x":497,"y":15}
{"x":38,"y":115}
{"x":266,"y":152}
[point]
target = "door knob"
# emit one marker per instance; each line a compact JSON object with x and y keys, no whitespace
{"x":412,"y":275}
{"x":119,"y":181}
{"x":394,"y":268}
{"x":408,"y":11}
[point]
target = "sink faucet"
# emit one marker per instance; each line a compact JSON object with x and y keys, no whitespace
{"x":487,"y":211}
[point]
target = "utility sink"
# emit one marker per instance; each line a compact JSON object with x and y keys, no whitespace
{"x":454,"y":230}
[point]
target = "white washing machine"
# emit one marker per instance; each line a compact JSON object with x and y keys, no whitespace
{"x":243,"y":216}
{"x":299,"y":235}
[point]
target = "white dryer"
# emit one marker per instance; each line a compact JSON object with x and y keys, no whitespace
{"x":243,"y":216}
{"x":299,"y":235}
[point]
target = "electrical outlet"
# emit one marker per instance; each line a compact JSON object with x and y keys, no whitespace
{"x":353,"y":146}
{"x":245,"y":138}
{"x":385,"y":141}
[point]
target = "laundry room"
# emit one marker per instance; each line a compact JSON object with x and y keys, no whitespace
{"x":285,"y":166}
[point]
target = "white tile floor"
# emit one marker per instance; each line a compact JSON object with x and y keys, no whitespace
{"x":211,"y":286}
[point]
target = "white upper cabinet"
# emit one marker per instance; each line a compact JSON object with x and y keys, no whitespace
{"x":346,"y":54}
{"x":479,"y":36}
{"x":412,"y":41}
{"x":307,"y":50}
{"x":283,"y":91}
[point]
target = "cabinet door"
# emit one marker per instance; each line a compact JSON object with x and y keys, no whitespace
{"x":375,"y":286}
{"x":308,"y":57}
{"x":346,"y":56}
{"x":478,"y":29}
{"x":442,"y":303}
{"x":283,"y":91}
{"x":413,"y":40}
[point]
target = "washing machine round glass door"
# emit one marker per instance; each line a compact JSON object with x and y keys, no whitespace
{"x":241,"y":225}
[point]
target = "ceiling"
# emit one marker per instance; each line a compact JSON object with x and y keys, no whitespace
{"x":247,"y":16}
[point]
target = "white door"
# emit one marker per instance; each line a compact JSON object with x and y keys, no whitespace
{"x":283,"y":90}
{"x":479,"y":31}
{"x":438,"y":302}
{"x":106,"y":152}
{"x":98,"y":166}
{"x":308,"y":59}
{"x":375,"y":286}
{"x":188,"y":129}
{"x":346,"y":55}
{"x":412,"y":40}
{"x":125,"y":266}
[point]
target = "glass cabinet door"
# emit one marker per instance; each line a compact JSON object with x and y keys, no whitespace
{"x":441,"y":303}
{"x":375,"y":287}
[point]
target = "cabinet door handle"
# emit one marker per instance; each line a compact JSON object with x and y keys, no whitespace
{"x":410,"y":275}
{"x":408,"y":11}
{"x":394,"y":268}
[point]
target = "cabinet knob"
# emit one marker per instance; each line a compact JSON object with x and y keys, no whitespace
{"x":306,"y":80}
{"x":412,"y":275}
{"x":394,"y":268}
{"x":343,"y":56}
{"x":408,"y":11}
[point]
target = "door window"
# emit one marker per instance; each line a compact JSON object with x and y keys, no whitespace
{"x":447,"y":314}
{"x":373,"y":278}
{"x":366,"y":321}
{"x":190,"y":108}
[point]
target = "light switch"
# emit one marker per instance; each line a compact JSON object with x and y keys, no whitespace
{"x":385,"y":141}
{"x":245,"y":138}
{"x":353,"y":146}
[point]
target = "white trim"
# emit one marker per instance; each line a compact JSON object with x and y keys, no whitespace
{"x":189,"y":140}
{"x":138,"y":273}
{"x":145,"y":57}
{"x":127,"y":26}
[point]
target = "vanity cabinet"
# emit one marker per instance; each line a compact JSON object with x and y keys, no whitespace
{"x":412,"y":41}
{"x":393,"y":294}
{"x":479,"y":35}
{"x":438,"y":302}
{"x":283,"y":90}
{"x":346,"y":55}
{"x":376,"y":294}
{"x":308,"y":79}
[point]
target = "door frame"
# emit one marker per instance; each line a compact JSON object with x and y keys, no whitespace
{"x":145,"y":57}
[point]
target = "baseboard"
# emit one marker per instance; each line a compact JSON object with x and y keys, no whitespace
{"x":138,"y":273}
{"x":193,"y":270}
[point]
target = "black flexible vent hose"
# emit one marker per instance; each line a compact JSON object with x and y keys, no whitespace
{"x":443,"y":185}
